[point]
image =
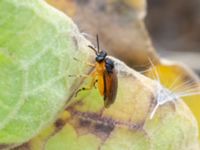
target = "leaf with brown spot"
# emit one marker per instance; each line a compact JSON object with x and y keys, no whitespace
{"x":126,"y":123}
{"x":83,"y":122}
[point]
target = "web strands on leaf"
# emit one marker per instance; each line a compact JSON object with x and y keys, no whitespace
{"x":174,"y":92}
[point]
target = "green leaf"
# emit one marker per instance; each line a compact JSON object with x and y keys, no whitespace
{"x":36,"y":56}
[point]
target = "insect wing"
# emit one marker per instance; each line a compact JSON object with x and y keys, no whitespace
{"x":110,"y":87}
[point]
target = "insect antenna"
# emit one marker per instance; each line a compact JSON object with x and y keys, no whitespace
{"x":98,"y":48}
{"x":93,"y":49}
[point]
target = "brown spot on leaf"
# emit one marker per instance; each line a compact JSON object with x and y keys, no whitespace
{"x":102,"y":128}
{"x":84,"y":123}
{"x":59,"y":123}
{"x":24,"y":146}
{"x":88,"y":126}
{"x":97,"y":118}
{"x":102,"y":131}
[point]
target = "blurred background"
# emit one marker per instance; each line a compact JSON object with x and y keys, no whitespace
{"x":174,"y":27}
{"x":133,"y":30}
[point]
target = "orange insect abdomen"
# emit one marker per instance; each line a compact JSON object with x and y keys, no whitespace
{"x":101,"y":84}
{"x":100,"y":69}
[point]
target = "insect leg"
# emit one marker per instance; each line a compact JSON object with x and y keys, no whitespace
{"x":87,"y":63}
{"x":95,"y":83}
{"x":79,"y":76}
{"x":92,"y":83}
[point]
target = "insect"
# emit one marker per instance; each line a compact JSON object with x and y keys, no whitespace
{"x":105,"y":76}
